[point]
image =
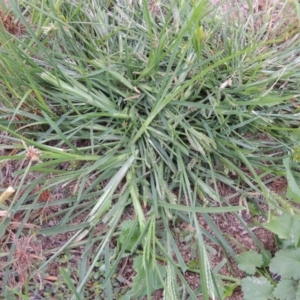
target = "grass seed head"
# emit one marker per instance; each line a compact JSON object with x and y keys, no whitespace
{"x":33,"y":154}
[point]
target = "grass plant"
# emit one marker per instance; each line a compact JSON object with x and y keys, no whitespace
{"x":139,"y":110}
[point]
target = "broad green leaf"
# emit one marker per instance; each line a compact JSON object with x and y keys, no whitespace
{"x":267,"y":256}
{"x":225,"y":290}
{"x":293,"y":190}
{"x":286,"y":289}
{"x":249,"y":261}
{"x":126,"y":227}
{"x":257,"y":288}
{"x":193,"y":264}
{"x":280,"y":225}
{"x":139,"y":284}
{"x":229,"y":289}
{"x":286,"y":227}
{"x":286,"y":263}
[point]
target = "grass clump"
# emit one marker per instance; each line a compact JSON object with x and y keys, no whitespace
{"x":141,"y":109}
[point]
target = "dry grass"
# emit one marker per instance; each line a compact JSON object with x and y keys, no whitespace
{"x":26,"y":257}
{"x":11,"y":24}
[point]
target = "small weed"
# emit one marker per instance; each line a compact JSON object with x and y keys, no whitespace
{"x":279,"y":276}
